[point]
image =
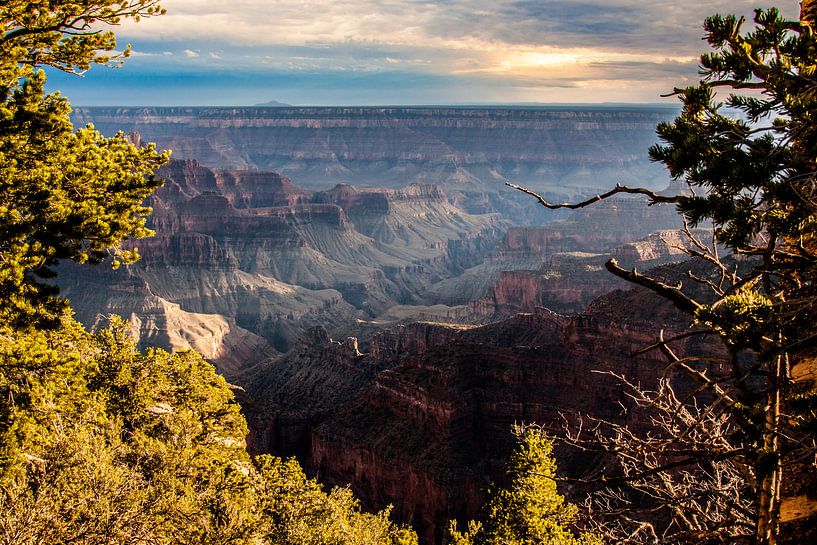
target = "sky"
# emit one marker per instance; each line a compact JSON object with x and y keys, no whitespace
{"x":406,"y":52}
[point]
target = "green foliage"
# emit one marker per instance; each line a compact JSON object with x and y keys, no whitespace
{"x":529,"y":511}
{"x":299,"y":513}
{"x":63,"y":194}
{"x":755,"y":171}
{"x":63,"y":34}
{"x":741,"y":318}
{"x":100,"y":443}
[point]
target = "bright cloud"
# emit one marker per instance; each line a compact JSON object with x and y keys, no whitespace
{"x":495,"y":50}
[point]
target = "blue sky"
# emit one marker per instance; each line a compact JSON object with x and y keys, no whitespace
{"x":367,"y":52}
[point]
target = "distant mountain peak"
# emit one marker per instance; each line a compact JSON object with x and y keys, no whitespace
{"x":272,"y":103}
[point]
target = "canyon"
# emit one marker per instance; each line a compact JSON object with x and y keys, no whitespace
{"x":388,"y":307}
{"x":421,"y":417}
{"x":250,"y":256}
{"x":469,"y":152}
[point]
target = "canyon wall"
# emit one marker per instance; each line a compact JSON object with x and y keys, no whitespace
{"x":471,"y":152}
{"x":567,"y":255}
{"x":422,"y":418}
{"x":248,"y":259}
{"x":570,"y":281}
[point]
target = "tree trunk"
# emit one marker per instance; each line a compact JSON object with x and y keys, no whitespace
{"x":808,"y":12}
{"x":768,"y":512}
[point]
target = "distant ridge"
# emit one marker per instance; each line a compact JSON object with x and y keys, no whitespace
{"x":271,"y":104}
{"x":565,"y":150}
{"x":483,"y":106}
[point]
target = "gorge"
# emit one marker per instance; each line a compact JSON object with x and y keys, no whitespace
{"x":459,"y":305}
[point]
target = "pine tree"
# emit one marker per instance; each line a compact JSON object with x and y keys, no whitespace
{"x":101,"y":444}
{"x":727,"y":462}
{"x":529,"y":510}
{"x":64,"y":194}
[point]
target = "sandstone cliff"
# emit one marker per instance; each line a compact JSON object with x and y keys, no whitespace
{"x":572,"y":280}
{"x":261,"y":259}
{"x":423,"y":417}
{"x":576,"y":245}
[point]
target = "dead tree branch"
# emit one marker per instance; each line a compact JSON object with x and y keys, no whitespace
{"x":654,"y":198}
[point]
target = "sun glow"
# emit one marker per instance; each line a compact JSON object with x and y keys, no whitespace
{"x":563,"y":61}
{"x":536,"y":59}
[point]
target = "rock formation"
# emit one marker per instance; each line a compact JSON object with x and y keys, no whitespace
{"x":471,"y":152}
{"x":571,"y":280}
{"x":568,"y":254}
{"x":257,"y":258}
{"x":422,"y":418}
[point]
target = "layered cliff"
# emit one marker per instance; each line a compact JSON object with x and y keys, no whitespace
{"x":570,"y":249}
{"x":265,"y":259}
{"x":555,"y":149}
{"x":570,"y":281}
{"x":242,"y":188}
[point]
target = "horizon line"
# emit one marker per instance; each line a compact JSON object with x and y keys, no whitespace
{"x":407,"y":106}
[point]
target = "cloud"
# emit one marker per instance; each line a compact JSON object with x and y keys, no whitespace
{"x":136,"y":54}
{"x":452,"y":33}
{"x":460,"y":24}
{"x":644,"y":48}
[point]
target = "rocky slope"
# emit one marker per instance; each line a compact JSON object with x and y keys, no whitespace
{"x":257,"y":258}
{"x":572,"y":280}
{"x":566,"y":282}
{"x":422,"y":417}
{"x":566,"y":249}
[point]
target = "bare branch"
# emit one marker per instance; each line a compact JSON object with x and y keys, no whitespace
{"x":653,"y":197}
{"x":671,"y":293}
{"x":678,"y":337}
